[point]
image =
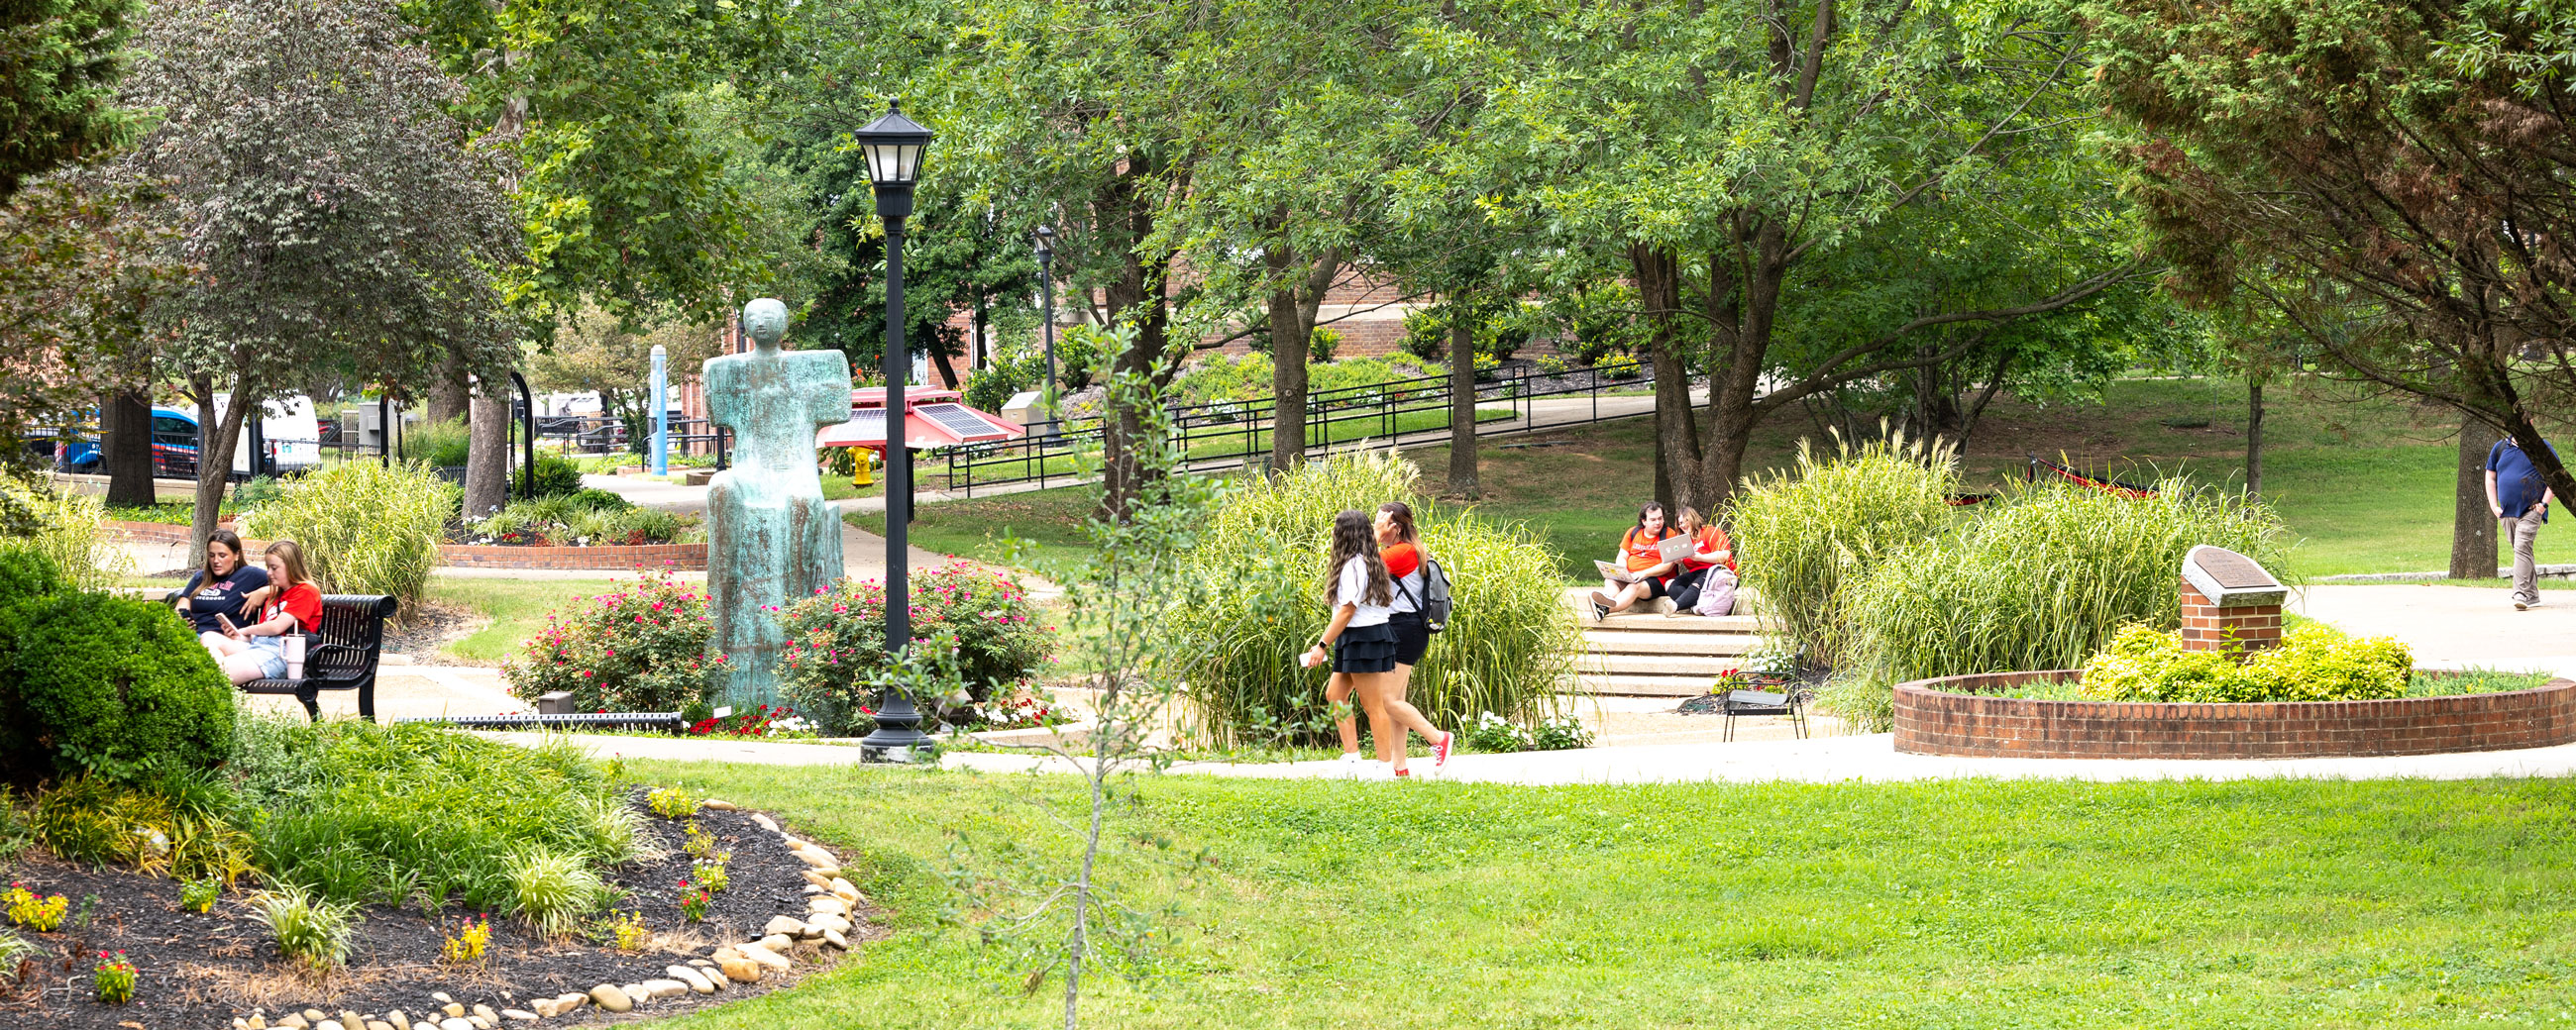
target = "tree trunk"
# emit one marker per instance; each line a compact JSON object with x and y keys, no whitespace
{"x":939,"y":360}
{"x":450,"y":395}
{"x":487,"y":463}
{"x":1677,"y":446}
{"x":214,"y":461}
{"x":1464,"y":477}
{"x":126,"y":451}
{"x":2254,"y":438}
{"x":1288,"y":382}
{"x":1739,"y":350}
{"x":1136,"y":297}
{"x":2473,"y":524}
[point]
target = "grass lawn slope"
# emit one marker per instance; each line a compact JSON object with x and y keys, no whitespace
{"x":1955,"y":904}
{"x":2364,"y":482}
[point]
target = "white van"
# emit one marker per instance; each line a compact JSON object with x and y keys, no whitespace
{"x":290,"y":437}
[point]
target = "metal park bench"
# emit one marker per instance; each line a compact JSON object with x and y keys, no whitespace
{"x":340,"y":655}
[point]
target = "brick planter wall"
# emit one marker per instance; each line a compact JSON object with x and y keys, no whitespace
{"x":683,"y":557}
{"x":1951,"y":716}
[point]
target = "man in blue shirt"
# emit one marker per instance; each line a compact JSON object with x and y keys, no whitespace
{"x":2521,"y":502}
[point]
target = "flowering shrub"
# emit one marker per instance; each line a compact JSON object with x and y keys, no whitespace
{"x":115,"y":978}
{"x":628,"y":932}
{"x":1018,"y":712}
{"x":762,"y":722}
{"x":42,"y":914}
{"x":640,"y":648}
{"x":694,"y":901}
{"x":466,"y":947}
{"x":979,"y":624}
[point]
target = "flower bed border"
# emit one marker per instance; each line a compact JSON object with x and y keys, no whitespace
{"x":684,"y":557}
{"x":1953,"y":716}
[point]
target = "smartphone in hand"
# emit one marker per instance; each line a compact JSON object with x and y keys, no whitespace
{"x":226,"y":622}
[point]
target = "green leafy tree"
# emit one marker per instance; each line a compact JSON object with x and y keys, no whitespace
{"x":59,"y":62}
{"x":2413,"y":156}
{"x":86,"y":263}
{"x":596,"y":351}
{"x":334,"y":216}
{"x":1727,"y":151}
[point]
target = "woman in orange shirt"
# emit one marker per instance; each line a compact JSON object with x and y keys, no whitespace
{"x":1638,"y":553}
{"x":1713,"y":555}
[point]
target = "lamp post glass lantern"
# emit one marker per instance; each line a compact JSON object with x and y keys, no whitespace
{"x":892,"y":146}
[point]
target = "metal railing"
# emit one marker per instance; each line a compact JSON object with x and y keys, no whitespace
{"x":1222,"y":434}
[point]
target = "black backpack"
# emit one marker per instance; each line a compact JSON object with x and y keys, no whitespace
{"x":1434,"y":602}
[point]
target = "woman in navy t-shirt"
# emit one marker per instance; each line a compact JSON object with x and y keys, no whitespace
{"x":220,"y":587}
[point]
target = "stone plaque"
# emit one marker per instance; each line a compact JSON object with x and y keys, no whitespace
{"x":2230,"y":579}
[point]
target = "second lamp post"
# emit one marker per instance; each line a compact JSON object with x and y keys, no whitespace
{"x":892,"y":146}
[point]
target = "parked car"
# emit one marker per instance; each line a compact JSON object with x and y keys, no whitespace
{"x":289,"y":441}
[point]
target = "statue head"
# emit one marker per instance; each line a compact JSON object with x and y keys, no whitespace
{"x":766,"y":320}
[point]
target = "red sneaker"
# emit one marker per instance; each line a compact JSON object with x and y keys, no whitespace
{"x":1440,"y":754}
{"x":1404,"y":774}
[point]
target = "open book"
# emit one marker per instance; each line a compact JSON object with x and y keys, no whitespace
{"x":1671,"y":549}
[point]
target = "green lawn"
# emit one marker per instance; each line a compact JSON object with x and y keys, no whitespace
{"x":2364,"y":483}
{"x":517,"y":608}
{"x":1956,"y":904}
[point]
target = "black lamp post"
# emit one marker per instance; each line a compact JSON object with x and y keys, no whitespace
{"x":1046,"y":299}
{"x":892,"y":146}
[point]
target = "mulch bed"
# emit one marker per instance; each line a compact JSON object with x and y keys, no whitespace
{"x":202,"y":971}
{"x":432,"y":626}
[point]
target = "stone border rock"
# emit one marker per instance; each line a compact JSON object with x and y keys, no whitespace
{"x":832,"y":904}
{"x":1953,"y":716}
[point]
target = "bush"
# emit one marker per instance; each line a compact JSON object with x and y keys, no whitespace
{"x":639,"y":648}
{"x":1507,"y":647}
{"x":552,"y":890}
{"x":553,"y":476}
{"x":1321,"y":345}
{"x":588,"y":518}
{"x":2040,"y":580}
{"x":418,"y":815}
{"x":1802,"y":536}
{"x":2314,"y":662}
{"x":68,"y":529}
{"x":366,"y":528}
{"x":437,"y":444}
{"x":110,"y":685}
{"x":1077,"y":356}
{"x":836,"y":642}
{"x":1426,"y":334}
{"x":1008,"y":373}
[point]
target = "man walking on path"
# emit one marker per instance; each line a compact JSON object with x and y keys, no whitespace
{"x":2521,"y":503}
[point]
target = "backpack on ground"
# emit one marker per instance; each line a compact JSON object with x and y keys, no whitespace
{"x":1434,"y":602}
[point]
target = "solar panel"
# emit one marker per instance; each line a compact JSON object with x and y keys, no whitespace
{"x":959,"y":419}
{"x":870,"y":419}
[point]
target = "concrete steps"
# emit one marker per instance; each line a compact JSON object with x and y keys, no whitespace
{"x":1655,"y":654}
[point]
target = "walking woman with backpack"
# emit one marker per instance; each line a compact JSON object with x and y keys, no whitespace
{"x":1363,"y":646}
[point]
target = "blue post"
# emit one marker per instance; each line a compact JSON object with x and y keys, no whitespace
{"x":661,"y":411}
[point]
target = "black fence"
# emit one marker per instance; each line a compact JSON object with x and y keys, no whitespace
{"x":1225,"y":434}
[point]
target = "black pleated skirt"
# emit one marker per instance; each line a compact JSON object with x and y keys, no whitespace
{"x":1365,"y":649}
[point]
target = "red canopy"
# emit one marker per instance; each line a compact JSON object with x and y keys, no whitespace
{"x":932,"y":418}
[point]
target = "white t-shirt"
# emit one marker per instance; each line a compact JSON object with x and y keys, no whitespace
{"x":1353,"y":590}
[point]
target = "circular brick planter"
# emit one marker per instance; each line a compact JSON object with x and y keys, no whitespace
{"x":1954,"y":716}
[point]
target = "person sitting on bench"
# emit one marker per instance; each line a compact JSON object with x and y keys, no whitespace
{"x":1641,"y":554}
{"x":290,"y":604}
{"x":221,"y":589}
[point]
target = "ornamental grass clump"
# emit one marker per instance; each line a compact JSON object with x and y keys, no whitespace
{"x":366,"y":528}
{"x":2040,"y":580}
{"x":1508,"y":647}
{"x":418,"y":815}
{"x":552,"y":890}
{"x":1804,"y":535}
{"x":310,"y":930}
{"x":641,"y":647}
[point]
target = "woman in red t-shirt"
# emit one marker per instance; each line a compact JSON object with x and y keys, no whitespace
{"x":1639,"y":554}
{"x":289,"y":604}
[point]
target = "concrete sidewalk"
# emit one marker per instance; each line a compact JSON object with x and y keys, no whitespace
{"x":2453,"y":627}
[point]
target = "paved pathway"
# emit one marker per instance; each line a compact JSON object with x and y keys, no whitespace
{"x":2454,"y":627}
